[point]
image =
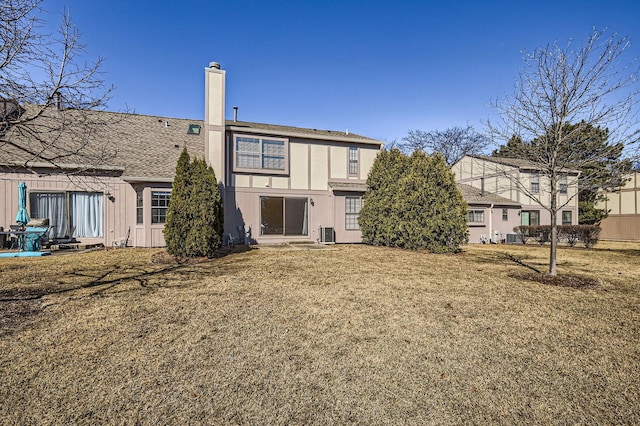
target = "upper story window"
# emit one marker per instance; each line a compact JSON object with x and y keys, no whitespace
{"x":353,"y":161}
{"x":535,"y":182}
{"x":261,"y":155}
{"x":563,"y":184}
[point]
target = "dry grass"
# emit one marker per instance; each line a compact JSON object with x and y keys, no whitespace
{"x":351,"y":335}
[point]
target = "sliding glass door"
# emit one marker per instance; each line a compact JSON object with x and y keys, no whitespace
{"x":75,"y":214}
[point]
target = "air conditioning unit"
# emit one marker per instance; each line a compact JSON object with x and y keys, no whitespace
{"x":513,"y":239}
{"x":327,"y":235}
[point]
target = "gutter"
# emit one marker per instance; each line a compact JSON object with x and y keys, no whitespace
{"x":325,"y":137}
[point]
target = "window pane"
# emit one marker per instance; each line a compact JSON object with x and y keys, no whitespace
{"x":353,"y":161}
{"x":352,"y":212}
{"x":273,"y":154}
{"x":271,"y":215}
{"x":139,"y":207}
{"x":566,"y":217}
{"x":52,"y":206}
{"x":505,"y":214}
{"x":159,"y":205}
{"x":248,"y":153}
{"x":476,"y":216}
{"x":534,"y":218}
{"x":86,"y":214}
{"x":295,"y":213}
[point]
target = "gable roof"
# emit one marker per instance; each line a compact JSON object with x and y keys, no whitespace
{"x":519,"y":163}
{"x":473,"y":195}
{"x":298,"y":132}
{"x":137,"y":147}
{"x":134,"y":146}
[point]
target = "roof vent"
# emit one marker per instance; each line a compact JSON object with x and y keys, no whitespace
{"x":214,"y":65}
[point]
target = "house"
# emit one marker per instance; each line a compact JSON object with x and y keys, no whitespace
{"x":623,"y":222}
{"x":491,"y":217}
{"x":517,"y":181}
{"x":279,"y":183}
{"x":126,"y":192}
{"x":285,"y":183}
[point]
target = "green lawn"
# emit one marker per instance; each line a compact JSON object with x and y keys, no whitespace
{"x":353,"y":334}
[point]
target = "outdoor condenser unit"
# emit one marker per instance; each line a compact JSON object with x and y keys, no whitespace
{"x":327,"y":235}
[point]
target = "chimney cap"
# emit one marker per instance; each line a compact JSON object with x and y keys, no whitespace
{"x":214,"y":65}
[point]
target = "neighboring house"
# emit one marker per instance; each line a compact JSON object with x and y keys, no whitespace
{"x":283,"y":183}
{"x":102,"y":203}
{"x":623,"y":222}
{"x":491,"y":217}
{"x":498,"y":176}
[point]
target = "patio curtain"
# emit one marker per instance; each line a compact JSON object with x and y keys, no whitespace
{"x":50,"y":206}
{"x":86,"y":214}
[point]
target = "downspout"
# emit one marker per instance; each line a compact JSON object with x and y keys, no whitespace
{"x":491,"y":222}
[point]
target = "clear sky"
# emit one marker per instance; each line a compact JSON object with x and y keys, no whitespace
{"x":377,"y":68}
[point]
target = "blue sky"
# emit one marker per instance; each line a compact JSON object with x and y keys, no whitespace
{"x":377,"y":68}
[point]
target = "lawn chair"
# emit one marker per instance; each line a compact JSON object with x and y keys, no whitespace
{"x":122,"y":243}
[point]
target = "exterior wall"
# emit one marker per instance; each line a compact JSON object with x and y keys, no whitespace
{"x":493,"y":222}
{"x":623,"y":222}
{"x":313,"y":165}
{"x":117,"y":214}
{"x":494,"y":177}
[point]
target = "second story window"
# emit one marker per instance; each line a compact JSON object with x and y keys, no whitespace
{"x":563,"y":184}
{"x":535,"y":182}
{"x":260,"y":154}
{"x":353,"y":161}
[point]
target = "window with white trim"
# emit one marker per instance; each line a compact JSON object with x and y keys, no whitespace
{"x":535,"y":183}
{"x":260,"y":154}
{"x":564,"y":183}
{"x":476,"y":216}
{"x":139,"y":206}
{"x":159,"y":206}
{"x":353,"y":160}
{"x":352,"y":206}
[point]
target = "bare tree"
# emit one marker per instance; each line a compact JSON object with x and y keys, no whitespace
{"x":563,"y":92}
{"x":49,"y":94}
{"x":453,"y":143}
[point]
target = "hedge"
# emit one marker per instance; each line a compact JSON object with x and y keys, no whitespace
{"x":571,"y":234}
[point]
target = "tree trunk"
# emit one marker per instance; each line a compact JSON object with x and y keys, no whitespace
{"x":553,"y":269}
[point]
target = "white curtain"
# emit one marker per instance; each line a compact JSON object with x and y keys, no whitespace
{"x":86,"y":214}
{"x":50,"y":206}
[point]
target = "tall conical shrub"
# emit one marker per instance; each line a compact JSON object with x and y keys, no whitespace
{"x":179,"y":215}
{"x":195,"y":217}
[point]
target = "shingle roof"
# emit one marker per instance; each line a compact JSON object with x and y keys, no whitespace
{"x":518,"y":162}
{"x":147,"y":147}
{"x":474,"y":195}
{"x":301,"y":132}
{"x":134,"y":145}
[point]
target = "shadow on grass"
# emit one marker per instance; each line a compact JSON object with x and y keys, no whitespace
{"x":19,"y":304}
